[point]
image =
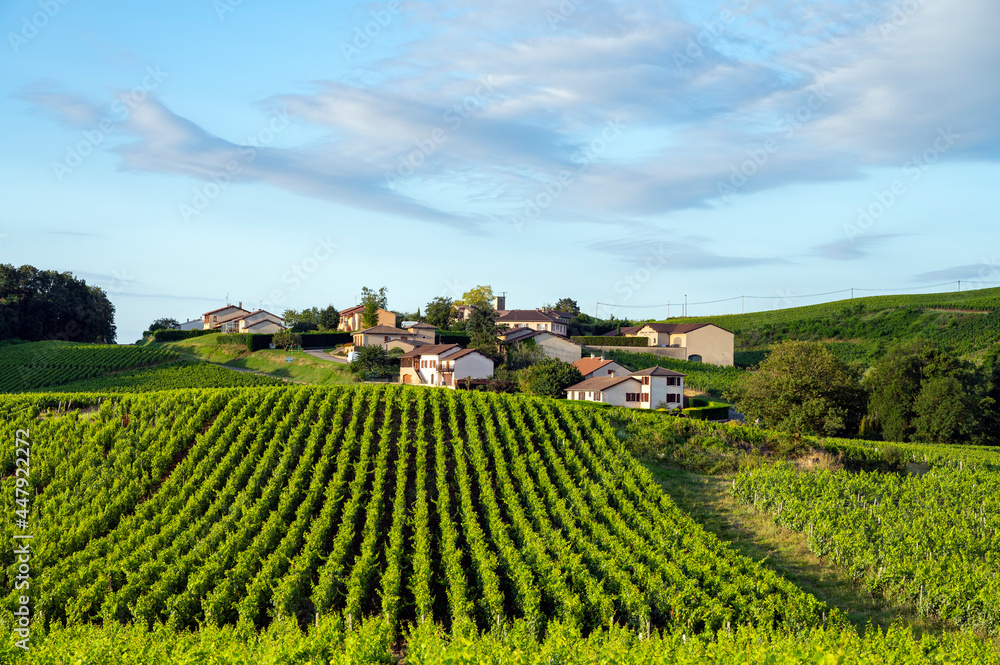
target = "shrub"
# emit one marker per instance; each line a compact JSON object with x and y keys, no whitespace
{"x":600,"y":340}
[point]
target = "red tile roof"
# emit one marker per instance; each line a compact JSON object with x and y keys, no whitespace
{"x":588,"y":365}
{"x":657,"y":371}
{"x":601,"y":383}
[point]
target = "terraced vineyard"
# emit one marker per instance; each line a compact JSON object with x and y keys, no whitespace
{"x":43,"y":364}
{"x":353,"y":524}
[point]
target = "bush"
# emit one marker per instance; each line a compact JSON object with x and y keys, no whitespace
{"x":250,"y":341}
{"x":325,"y":340}
{"x":176,"y":335}
{"x":600,"y":340}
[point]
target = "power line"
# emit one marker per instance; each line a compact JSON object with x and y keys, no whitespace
{"x":780,"y":296}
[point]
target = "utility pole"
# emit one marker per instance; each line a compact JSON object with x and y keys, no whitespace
{"x":743,"y":309}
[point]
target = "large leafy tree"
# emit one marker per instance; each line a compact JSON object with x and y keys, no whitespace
{"x":920,"y":391}
{"x":441,"y":312}
{"x":480,"y":296}
{"x":45,"y":304}
{"x":550,"y":377}
{"x":567,"y":305}
{"x":482,"y":329}
{"x":802,"y":387}
{"x":371,"y":362}
{"x":372,"y":301}
{"x":328,"y":318}
{"x":163,"y":324}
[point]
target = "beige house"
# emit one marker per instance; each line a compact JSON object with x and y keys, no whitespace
{"x":382,"y":336}
{"x":236,"y":319}
{"x":424,"y":332}
{"x":650,"y":388}
{"x":443,"y":365}
{"x":350,"y":318}
{"x":593,"y":368}
{"x":217,"y":317}
{"x":554,"y":346}
{"x":535,"y":319}
{"x":701,"y":342}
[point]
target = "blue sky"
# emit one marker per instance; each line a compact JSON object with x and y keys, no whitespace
{"x":627,"y":153}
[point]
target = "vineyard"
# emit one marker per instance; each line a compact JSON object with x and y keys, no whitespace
{"x":183,"y":374}
{"x":354,"y":524}
{"x":43,"y":364}
{"x":931,"y":541}
{"x":239,"y":506}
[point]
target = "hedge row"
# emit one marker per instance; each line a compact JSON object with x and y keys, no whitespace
{"x":171,"y":335}
{"x":258,"y":341}
{"x":601,"y":340}
{"x":455,"y":337}
{"x":703,"y":409}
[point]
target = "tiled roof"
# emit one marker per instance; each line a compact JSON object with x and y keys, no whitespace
{"x":657,"y":371}
{"x":528,"y":316}
{"x":588,"y":365}
{"x":429,"y":350}
{"x":383,"y":330}
{"x":222,"y":308}
{"x":601,"y":383}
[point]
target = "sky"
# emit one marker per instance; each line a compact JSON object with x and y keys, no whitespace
{"x":627,"y":155}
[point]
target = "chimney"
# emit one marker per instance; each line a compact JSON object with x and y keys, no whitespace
{"x":591,"y":356}
{"x":240,"y":305}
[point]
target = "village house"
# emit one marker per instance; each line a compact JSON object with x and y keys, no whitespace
{"x":383,"y":336}
{"x":552,"y":345}
{"x":443,"y":365}
{"x":594,"y":367}
{"x":651,"y":388}
{"x":535,"y":319}
{"x":697,"y":342}
{"x":235,"y":319}
{"x":350,"y":318}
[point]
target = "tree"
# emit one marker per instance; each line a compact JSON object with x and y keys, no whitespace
{"x":45,"y":304}
{"x":567,"y":305}
{"x":163,"y":324}
{"x":286,"y":339}
{"x":371,"y":362}
{"x":301,"y":321}
{"x":372,"y":301}
{"x":329,"y":318}
{"x":524,"y":354}
{"x":802,"y":387}
{"x":441,"y":312}
{"x":481,"y":296}
{"x":482,"y":330}
{"x":917,"y":378}
{"x":550,"y":377}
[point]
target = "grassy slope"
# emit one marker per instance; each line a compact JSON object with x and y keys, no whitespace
{"x":303,"y":367}
{"x":707,"y":500}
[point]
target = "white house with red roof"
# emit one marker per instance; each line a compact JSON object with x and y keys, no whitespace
{"x":443,"y":365}
{"x":536,"y":319}
{"x":651,"y":388}
{"x":233,"y":318}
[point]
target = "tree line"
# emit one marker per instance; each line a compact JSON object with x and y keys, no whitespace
{"x":918,"y":391}
{"x":40,"y":305}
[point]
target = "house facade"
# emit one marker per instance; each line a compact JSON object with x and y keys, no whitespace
{"x":700,"y":342}
{"x":535,"y":319}
{"x":650,"y":388}
{"x":350,"y":318}
{"x":381,"y":336}
{"x":261,"y":321}
{"x":594,"y":367}
{"x":217,"y":318}
{"x":443,"y":365}
{"x":552,"y":345}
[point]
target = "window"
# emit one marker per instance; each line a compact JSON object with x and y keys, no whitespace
{"x":385,"y":338}
{"x":611,"y":372}
{"x":645,"y":397}
{"x":645,"y":380}
{"x":673,"y":398}
{"x":631,"y":397}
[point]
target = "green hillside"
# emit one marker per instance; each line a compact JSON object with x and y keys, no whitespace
{"x":366,"y":523}
{"x":44,"y":364}
{"x":861,"y":328}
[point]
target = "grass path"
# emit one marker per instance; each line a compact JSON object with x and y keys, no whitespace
{"x":707,"y":500}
